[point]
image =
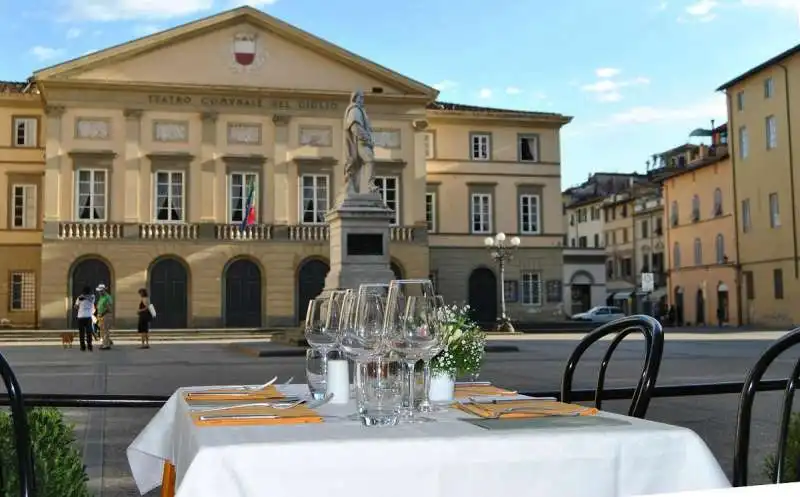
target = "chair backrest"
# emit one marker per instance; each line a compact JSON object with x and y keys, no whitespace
{"x":654,"y":349}
{"x":22,"y":436}
{"x":741,"y":449}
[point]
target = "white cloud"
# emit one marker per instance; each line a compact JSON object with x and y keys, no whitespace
{"x":662,"y":6}
{"x":608,"y":90}
{"x":485,"y":93}
{"x":712,"y":108}
{"x":73,"y":33}
{"x":114,"y":10}
{"x":513,"y":90}
{"x":46,"y":53}
{"x":791,"y":5}
{"x":702,"y":8}
{"x":445,"y":85}
{"x":607,"y":72}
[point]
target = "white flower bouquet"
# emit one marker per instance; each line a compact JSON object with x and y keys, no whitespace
{"x":463,"y":341}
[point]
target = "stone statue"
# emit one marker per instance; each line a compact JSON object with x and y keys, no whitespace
{"x":360,"y":147}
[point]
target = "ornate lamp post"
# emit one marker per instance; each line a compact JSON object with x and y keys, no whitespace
{"x":502,"y":251}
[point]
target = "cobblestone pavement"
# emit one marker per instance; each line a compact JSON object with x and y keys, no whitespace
{"x":104,"y":434}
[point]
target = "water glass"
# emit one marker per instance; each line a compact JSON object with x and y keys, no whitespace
{"x":380,"y":394}
{"x":316,"y":373}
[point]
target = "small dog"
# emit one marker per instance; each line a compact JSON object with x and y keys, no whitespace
{"x":67,"y":339}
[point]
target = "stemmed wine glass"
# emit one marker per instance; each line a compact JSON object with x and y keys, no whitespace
{"x":324,"y":324}
{"x":411,"y":329}
{"x":438,"y":313}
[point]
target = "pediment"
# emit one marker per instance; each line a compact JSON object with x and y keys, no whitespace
{"x":239,"y":48}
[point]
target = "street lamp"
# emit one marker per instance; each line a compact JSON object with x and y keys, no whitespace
{"x":502,"y":251}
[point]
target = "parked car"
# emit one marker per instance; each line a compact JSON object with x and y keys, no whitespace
{"x":599,"y":314}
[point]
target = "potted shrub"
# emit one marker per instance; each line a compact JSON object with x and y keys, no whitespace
{"x":58,"y":465}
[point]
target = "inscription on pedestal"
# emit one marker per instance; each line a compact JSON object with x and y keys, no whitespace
{"x":364,"y":244}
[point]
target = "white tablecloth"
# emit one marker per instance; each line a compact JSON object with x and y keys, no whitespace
{"x":450,"y":458}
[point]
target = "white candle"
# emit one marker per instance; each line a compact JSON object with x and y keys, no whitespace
{"x":338,"y":381}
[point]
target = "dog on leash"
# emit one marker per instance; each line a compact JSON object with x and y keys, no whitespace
{"x":67,"y":338}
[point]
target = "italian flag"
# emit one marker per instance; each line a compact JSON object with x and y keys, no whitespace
{"x":250,"y":206}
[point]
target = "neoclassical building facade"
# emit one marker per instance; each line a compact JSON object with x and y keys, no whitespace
{"x":150,"y":148}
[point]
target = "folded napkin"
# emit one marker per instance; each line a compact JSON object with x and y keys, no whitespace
{"x":295,"y":415}
{"x":525,"y":409}
{"x":229,"y":394}
{"x":465,"y":391}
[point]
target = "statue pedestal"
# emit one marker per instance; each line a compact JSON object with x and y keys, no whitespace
{"x":359,"y":242}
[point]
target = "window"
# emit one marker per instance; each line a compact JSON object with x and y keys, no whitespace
{"x":777,"y":283}
{"x":749,"y":285}
{"x":387,"y":186}
{"x":717,"y":202}
{"x":772,"y":132}
{"x":430,"y":145}
{"x":24,"y":207}
{"x":609,"y":269}
{"x":313,"y":198}
{"x":720,"y":248}
{"x":674,"y":213}
{"x":430,"y":211}
{"x":627,"y":267}
{"x":645,"y":232}
{"x":740,"y":101}
{"x":26,"y":132}
{"x":170,"y":198}
{"x":23,"y":291}
{"x":625,"y":235}
{"x":676,"y":255}
{"x":481,"y":213}
{"x":695,"y":208}
{"x":531,"y":288}
{"x":659,"y":226}
{"x":529,"y":214}
{"x":774,"y":211}
{"x":239,"y":185}
{"x":528,"y":148}
{"x":481,"y":147}
{"x":743,"y":142}
{"x":746,"y":220}
{"x":596,"y":240}
{"x":769,"y":88}
{"x":698,"y":252}
{"x":583,"y":242}
{"x":91,"y":198}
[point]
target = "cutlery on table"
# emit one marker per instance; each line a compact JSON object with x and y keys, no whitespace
{"x":531,"y":410}
{"x":310,"y":405}
{"x":478,"y":400}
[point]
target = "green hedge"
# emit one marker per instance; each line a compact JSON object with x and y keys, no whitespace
{"x":57,"y":463}
{"x":791,"y":457}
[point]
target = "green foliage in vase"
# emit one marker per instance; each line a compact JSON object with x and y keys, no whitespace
{"x":791,"y":458}
{"x":58,"y":465}
{"x":463,"y":340}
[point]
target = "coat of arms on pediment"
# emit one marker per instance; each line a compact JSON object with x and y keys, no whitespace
{"x":246,"y":54}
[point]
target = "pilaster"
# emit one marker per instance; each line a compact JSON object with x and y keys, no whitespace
{"x":52,"y":172}
{"x":418,"y":187}
{"x":209,"y":194}
{"x":132,"y":185}
{"x":279,"y":182}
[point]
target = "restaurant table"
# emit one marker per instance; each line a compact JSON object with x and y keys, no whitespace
{"x":610,"y":456}
{"x":782,"y":490}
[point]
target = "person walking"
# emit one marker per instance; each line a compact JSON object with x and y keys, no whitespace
{"x":105,"y":315}
{"x":84,"y":305}
{"x":145,"y":316}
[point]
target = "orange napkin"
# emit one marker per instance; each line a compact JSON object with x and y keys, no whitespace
{"x":532,"y":409}
{"x":229,"y":394}
{"x":464,"y":391}
{"x":295,"y":415}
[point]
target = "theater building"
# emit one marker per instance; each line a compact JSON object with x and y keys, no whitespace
{"x":149,"y":147}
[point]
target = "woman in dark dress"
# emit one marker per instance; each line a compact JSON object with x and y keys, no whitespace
{"x":144,"y":319}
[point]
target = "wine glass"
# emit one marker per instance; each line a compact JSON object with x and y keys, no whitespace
{"x":411,"y":330}
{"x":314,"y":330}
{"x":338,"y":313}
{"x":438,"y":313}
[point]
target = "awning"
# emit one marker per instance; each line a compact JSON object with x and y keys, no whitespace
{"x":622,"y":295}
{"x":658,"y":294}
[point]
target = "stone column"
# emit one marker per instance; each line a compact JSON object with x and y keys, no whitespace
{"x":210,"y":196}
{"x":415,"y":196}
{"x":279,"y":183}
{"x":52,"y":172}
{"x":133,"y":167}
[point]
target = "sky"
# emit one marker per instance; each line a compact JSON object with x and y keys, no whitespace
{"x":637,"y":75}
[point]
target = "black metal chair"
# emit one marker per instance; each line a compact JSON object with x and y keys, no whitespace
{"x":654,"y":350}
{"x":741,"y":450}
{"x":22,"y":438}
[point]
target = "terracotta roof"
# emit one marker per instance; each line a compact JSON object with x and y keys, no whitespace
{"x":764,"y":65}
{"x":665,"y":173}
{"x":12,"y":86}
{"x":453,"y":107}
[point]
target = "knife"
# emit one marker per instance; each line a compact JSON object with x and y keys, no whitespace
{"x":473,"y":400}
{"x":210,"y":417}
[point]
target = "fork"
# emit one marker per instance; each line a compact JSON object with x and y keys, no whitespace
{"x":532,"y":410}
{"x":276,"y":405}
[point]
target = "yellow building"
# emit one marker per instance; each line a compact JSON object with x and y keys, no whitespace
{"x":148,"y":153}
{"x":21,"y":170}
{"x":618,"y":241}
{"x":701,"y":235}
{"x":760,"y":117}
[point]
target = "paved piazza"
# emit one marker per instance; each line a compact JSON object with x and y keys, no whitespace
{"x":105,"y":433}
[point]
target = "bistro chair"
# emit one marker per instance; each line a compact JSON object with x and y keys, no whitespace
{"x":741,"y":449}
{"x":653,"y":334}
{"x":22,"y":438}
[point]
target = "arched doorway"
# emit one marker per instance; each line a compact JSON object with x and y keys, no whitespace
{"x":397,"y":270}
{"x":581,"y":291}
{"x":700,"y":303}
{"x":90,"y":272}
{"x":678,"y":303}
{"x":169,"y":285}
{"x":723,"y":303}
{"x":482,"y":295}
{"x":243,"y":297}
{"x":310,"y":283}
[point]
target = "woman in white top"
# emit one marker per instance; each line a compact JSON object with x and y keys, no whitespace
{"x":84,"y":304}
